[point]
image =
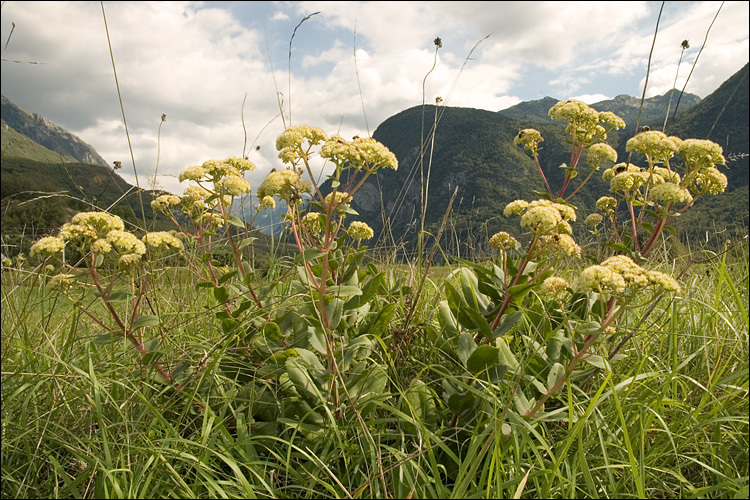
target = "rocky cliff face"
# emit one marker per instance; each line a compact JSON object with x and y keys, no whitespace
{"x":48,"y":134}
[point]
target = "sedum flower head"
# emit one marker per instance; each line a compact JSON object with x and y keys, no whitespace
{"x":338,"y":198}
{"x":600,"y":152}
{"x":611,"y":120}
{"x":129,"y":259}
{"x":701,"y":153}
{"x":360,"y":231}
{"x":606,"y":204}
{"x":629,"y":180}
{"x":59,"y":281}
{"x":530,"y":139}
{"x":562,"y":244}
{"x":165,"y":202}
{"x":632,"y":273}
{"x":358,"y":153}
{"x":267,"y":202}
{"x":541,"y":219}
{"x":516,"y":207}
{"x":162,"y":240}
{"x":194,"y":199}
{"x":99,"y":222}
{"x":211,"y":219}
{"x":663,"y":281}
{"x":600,"y":278}
{"x":583,"y":120}
{"x":194,"y":173}
{"x":554,"y":286}
{"x":218,"y":169}
{"x":290,"y":142}
{"x":311,"y":221}
{"x":710,"y":181}
{"x":671,"y":193}
{"x":502,"y":240}
{"x":49,"y":245}
{"x":241,"y":164}
{"x":126,"y":242}
{"x":101,"y":246}
{"x":233,"y":185}
{"x":593,"y":220}
{"x":286,"y":184}
{"x":654,"y":144}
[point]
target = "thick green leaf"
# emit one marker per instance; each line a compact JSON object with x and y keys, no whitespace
{"x":482,"y":357}
{"x":506,"y":323}
{"x":597,"y":361}
{"x":555,"y":373}
{"x":226,"y":277}
{"x":120,"y":297}
{"x":221,"y":294}
{"x":105,"y":339}
{"x":379,"y":322}
{"x":146,"y":320}
{"x":303,"y":382}
{"x":505,"y":355}
{"x":466,"y":347}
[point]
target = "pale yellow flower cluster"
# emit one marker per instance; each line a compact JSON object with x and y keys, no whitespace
{"x":126,"y":242}
{"x":267,"y":202}
{"x":59,"y":281}
{"x":627,"y":178}
{"x":701,"y":153}
{"x":606,"y":204}
{"x":554,"y":286}
{"x":358,"y":153}
{"x":99,"y":232}
{"x":165,"y":202}
{"x":584,"y":121}
{"x":619,"y":272}
{"x":90,"y":225}
{"x":232,"y":185}
{"x":593,"y":220}
{"x":562,"y":244}
{"x":162,"y":240}
{"x":543,"y":217}
{"x":656,"y":145}
{"x":599,"y":152}
{"x":670,"y":193}
{"x":311,"y":221}
{"x":290,"y":142}
{"x":710,"y":181}
{"x":286,"y":184}
{"x":338,"y":198}
{"x":49,"y":245}
{"x":530,"y":138}
{"x":502,"y":240}
{"x":194,"y":173}
{"x":360,"y":231}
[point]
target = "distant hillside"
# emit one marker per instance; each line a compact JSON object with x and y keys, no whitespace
{"x":48,"y":134}
{"x":19,"y":146}
{"x":474,"y":151}
{"x":41,"y":187}
{"x":723,"y":118}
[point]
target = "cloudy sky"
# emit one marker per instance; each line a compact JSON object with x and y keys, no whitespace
{"x":353,"y":65}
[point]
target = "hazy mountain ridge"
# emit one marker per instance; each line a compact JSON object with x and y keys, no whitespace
{"x":48,"y":134}
{"x":473,"y":149}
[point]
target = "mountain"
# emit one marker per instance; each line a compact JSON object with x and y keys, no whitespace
{"x":474,"y":151}
{"x":43,"y":185}
{"x":48,"y":134}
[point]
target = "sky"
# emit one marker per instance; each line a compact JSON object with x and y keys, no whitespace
{"x":222,"y":72}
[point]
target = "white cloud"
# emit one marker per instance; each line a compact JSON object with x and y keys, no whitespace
{"x":195,"y":62}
